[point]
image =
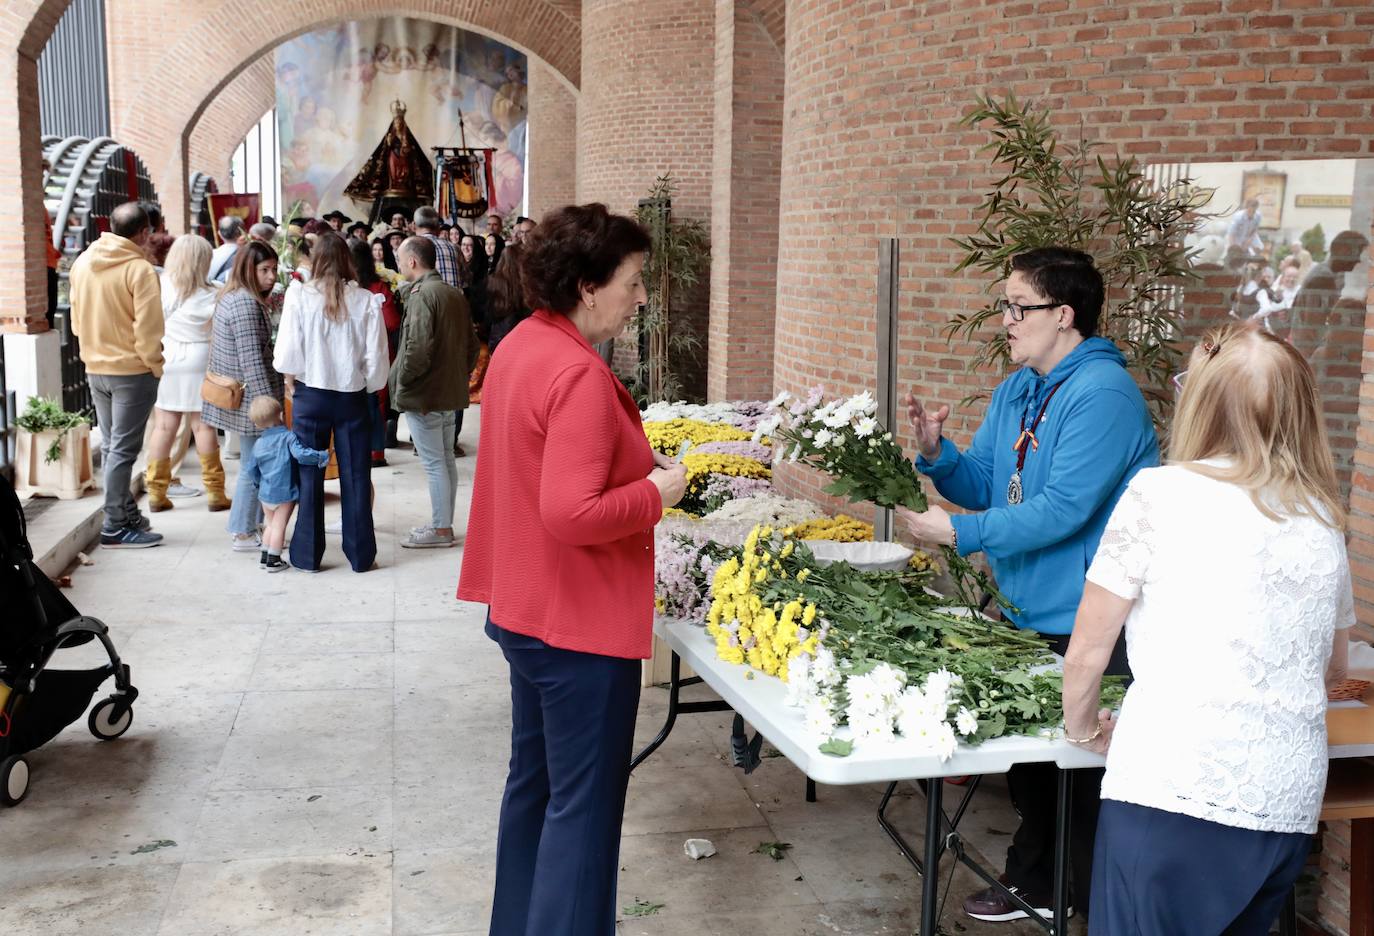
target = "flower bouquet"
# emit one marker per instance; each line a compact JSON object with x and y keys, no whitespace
{"x":843,"y":439}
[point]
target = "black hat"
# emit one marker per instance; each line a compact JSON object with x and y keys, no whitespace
{"x":356,"y":226}
{"x":336,"y":213}
{"x":268,"y":219}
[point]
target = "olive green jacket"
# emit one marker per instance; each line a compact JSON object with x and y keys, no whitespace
{"x":437,"y":350}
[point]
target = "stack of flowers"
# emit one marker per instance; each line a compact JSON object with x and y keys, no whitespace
{"x":702,"y":469}
{"x":876,"y":653}
{"x":841,"y":528}
{"x":667,"y":437}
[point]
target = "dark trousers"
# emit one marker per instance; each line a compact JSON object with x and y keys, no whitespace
{"x":1034,"y":792}
{"x":1162,"y":874}
{"x":376,"y":423}
{"x":572,"y":734}
{"x":315,"y":415}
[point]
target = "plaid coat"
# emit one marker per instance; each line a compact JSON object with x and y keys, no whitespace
{"x":241,"y":348}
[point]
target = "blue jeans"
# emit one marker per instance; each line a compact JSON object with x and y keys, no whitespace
{"x":376,"y":422}
{"x":1158,"y":873}
{"x":315,"y":414}
{"x":572,"y":734}
{"x":433,"y":435}
{"x":246,"y":513}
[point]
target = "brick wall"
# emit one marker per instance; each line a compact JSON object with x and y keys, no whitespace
{"x":647,"y":108}
{"x":228,"y":118}
{"x":744,"y":213}
{"x":552,"y":159}
{"x":184,"y":50}
{"x":25,"y":26}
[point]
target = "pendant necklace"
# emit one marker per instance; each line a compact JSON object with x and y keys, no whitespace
{"x":1024,"y":443}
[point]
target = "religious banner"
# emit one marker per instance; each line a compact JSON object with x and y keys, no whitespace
{"x":244,"y":205}
{"x":361,"y":108}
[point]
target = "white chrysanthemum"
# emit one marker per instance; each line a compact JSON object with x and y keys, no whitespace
{"x":842,"y":416}
{"x":863,"y":403}
{"x":865,"y":427}
{"x":766,"y":427}
{"x":945,"y":741}
{"x":819,"y":720}
{"x":915,"y":725}
{"x":799,"y":687}
{"x":824,"y":672}
{"x":796,"y":453}
{"x":871,"y":726}
{"x":779,"y":401}
{"x":941,"y":683}
{"x":965,"y":722}
{"x":889,"y":680}
{"x":866,"y":695}
{"x":823,"y":437}
{"x":911,"y":711}
{"x":824,"y":413}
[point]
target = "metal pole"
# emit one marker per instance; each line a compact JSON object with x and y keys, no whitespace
{"x":930,"y":872}
{"x":889,"y":272}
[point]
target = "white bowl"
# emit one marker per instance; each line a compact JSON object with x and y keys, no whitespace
{"x":871,"y":557}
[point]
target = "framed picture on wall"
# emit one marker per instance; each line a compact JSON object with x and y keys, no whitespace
{"x":1269,"y":187}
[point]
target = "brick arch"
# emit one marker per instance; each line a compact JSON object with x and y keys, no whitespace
{"x":772,"y":16}
{"x":202,"y":58}
{"x":235,"y":111}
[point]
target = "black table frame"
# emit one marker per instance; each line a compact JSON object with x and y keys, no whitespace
{"x":942,"y":831}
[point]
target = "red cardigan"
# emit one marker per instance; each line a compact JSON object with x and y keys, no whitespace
{"x":560,"y":539}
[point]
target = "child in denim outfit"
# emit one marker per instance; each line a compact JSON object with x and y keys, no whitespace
{"x":273,"y":468}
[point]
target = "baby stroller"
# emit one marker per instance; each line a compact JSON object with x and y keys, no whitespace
{"x":36,"y":703}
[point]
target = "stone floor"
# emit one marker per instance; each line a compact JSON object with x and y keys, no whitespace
{"x":324,"y":754}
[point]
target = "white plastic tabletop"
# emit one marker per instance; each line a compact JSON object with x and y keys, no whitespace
{"x":761,"y":700}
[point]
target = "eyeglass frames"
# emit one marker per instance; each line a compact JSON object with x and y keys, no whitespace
{"x":1018,"y":311}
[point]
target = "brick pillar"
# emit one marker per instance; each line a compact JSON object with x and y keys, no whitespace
{"x":24,"y":29}
{"x":744,"y":211}
{"x":647,"y":107}
{"x":551,"y":162}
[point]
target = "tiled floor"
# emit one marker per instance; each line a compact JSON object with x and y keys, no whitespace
{"x":324,"y":754}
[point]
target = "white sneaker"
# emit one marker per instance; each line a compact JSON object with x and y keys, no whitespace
{"x":245,"y":542}
{"x":177,"y":489}
{"x":427,"y":539}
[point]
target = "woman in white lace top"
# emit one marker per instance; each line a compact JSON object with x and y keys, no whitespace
{"x":1228,"y":569}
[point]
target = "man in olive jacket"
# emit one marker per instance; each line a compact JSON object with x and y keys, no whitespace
{"x":429,"y":381}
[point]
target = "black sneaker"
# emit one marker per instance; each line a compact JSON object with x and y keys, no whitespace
{"x":128,"y":538}
{"x":276,"y":564}
{"x":993,"y":906}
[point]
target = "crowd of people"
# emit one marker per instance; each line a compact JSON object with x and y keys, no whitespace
{"x":305,"y":358}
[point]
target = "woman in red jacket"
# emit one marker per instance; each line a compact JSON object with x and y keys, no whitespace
{"x":560,"y":547}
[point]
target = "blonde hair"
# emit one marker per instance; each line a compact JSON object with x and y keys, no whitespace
{"x":1251,"y":398}
{"x":265,"y":412}
{"x":188,"y":266}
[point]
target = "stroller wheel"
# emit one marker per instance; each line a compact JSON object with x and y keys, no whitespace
{"x":14,"y":780}
{"x":107,"y":722}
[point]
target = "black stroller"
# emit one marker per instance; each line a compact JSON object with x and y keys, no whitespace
{"x":37,"y":620}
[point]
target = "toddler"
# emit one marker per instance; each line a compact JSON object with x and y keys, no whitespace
{"x":272,"y":466}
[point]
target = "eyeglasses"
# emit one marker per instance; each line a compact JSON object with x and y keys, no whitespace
{"x":1018,"y":312}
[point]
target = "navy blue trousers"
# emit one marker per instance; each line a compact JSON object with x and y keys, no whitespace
{"x":1158,"y":873}
{"x":572,"y":734}
{"x":315,"y":415}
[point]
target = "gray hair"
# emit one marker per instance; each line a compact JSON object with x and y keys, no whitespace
{"x":422,"y":249}
{"x":426,"y":218}
{"x":262,"y":231}
{"x":230,"y":229}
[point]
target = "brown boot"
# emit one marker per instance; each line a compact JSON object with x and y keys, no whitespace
{"x":212,"y":476}
{"x":156,"y":479}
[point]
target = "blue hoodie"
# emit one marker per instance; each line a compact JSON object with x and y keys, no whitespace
{"x":1096,"y":434}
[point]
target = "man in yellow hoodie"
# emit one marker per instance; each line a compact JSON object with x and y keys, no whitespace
{"x":117,"y":315}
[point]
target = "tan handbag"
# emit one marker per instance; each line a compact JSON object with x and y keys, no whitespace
{"x":221,"y":391}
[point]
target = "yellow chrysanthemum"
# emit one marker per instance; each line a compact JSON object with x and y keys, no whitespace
{"x":667,"y":437}
{"x":841,"y":529}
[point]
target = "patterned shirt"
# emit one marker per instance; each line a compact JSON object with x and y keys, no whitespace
{"x":446,"y":261}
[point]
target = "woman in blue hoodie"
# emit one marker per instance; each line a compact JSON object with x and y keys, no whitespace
{"x":1063,"y":436}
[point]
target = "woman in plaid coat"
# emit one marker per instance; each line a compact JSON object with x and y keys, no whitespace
{"x":241,"y":348}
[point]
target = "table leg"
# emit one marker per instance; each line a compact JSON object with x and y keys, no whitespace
{"x":810,"y":790}
{"x":930,"y":874}
{"x":1063,"y":826}
{"x":674,"y":689}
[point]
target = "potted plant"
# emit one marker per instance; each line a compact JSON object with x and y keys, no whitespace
{"x":54,"y":451}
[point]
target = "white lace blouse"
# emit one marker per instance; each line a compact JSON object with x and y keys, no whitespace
{"x":1229,"y":639}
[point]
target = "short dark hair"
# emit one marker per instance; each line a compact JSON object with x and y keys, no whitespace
{"x":154,"y":211}
{"x":426,"y":218}
{"x":129,"y":220}
{"x":576,"y":245}
{"x":422,"y":249}
{"x":1068,"y":276}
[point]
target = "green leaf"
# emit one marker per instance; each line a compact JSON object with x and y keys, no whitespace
{"x":774,"y":850}
{"x":641,"y":908}
{"x":838,"y":747}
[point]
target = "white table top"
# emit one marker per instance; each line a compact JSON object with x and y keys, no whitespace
{"x":762,"y":701}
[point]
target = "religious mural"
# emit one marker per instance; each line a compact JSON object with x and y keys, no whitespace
{"x":360,"y":105}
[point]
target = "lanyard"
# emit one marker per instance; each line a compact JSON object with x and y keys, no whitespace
{"x":1028,"y":435}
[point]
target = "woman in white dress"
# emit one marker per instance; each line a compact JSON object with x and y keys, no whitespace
{"x":188,"y":309}
{"x":1228,"y":569}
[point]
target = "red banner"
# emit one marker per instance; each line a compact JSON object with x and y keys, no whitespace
{"x":244,"y":206}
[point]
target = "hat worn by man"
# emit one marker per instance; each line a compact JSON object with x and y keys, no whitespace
{"x":336,"y":213}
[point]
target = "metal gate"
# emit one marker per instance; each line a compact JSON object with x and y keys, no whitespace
{"x":88,"y":179}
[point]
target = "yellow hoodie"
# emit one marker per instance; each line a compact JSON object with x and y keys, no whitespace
{"x":117,"y":308}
